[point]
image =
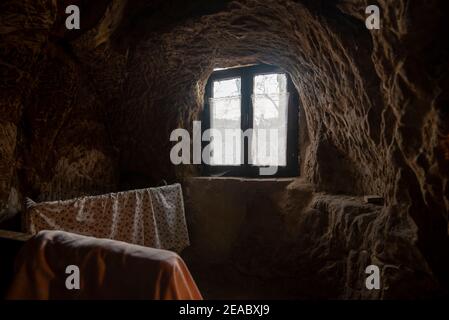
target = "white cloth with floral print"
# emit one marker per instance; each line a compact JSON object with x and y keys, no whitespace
{"x":152,"y":217}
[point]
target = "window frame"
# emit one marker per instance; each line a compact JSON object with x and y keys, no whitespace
{"x":247,"y":75}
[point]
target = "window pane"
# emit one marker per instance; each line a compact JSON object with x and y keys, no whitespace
{"x":270,"y":110}
{"x":225,"y":122}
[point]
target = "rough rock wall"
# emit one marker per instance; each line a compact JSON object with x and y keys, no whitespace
{"x":411,"y":63}
{"x":313,"y":245}
{"x":372,"y":127}
{"x":54,"y":116}
{"x":328,"y":59}
{"x":24,"y":28}
{"x":92,"y":111}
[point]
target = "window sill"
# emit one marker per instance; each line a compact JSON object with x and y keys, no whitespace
{"x":244,"y":179}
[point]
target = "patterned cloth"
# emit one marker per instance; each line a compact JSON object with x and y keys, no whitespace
{"x":152,"y":217}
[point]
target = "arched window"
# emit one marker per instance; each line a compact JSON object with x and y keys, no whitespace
{"x":250,"y":123}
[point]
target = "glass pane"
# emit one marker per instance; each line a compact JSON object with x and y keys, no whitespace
{"x":270,"y":111}
{"x":225,"y":122}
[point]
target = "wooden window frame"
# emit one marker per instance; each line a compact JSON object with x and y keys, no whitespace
{"x":247,"y":75}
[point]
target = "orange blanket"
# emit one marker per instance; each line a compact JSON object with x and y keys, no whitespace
{"x":108,"y":269}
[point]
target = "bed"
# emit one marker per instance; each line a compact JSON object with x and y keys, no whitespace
{"x":45,"y":269}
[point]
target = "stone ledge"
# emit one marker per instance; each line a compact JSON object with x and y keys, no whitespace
{"x":243,"y":179}
{"x":12,"y":235}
